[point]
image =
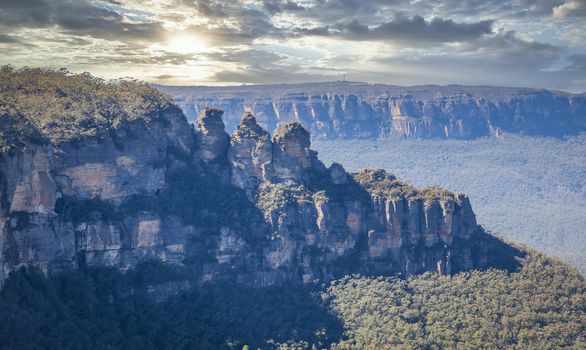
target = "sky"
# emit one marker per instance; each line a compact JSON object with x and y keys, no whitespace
{"x":529,"y":43}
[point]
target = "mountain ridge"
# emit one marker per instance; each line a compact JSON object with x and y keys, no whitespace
{"x":252,"y":207}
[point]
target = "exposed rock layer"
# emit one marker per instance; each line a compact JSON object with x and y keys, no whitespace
{"x":254,"y":208}
{"x":355,"y":110}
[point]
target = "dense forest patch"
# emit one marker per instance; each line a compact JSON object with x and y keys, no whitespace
{"x":542,"y":306}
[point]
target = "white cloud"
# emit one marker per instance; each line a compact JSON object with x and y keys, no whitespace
{"x":571,"y":8}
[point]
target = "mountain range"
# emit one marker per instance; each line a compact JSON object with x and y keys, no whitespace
{"x":351,"y":110}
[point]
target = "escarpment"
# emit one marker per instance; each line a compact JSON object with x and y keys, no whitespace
{"x":249,"y":207}
{"x":356,"y":110}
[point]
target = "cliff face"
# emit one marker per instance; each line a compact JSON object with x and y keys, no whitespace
{"x":257,"y":209}
{"x":355,"y":110}
{"x":60,"y":205}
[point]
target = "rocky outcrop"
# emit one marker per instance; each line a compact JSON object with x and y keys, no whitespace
{"x":213,"y":142}
{"x":249,"y":207}
{"x":292,"y":157}
{"x":250,"y":154}
{"x":356,"y":110}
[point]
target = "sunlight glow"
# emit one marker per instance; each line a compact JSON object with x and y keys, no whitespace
{"x":186,"y":44}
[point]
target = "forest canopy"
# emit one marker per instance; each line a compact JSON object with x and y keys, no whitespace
{"x":541,"y":306}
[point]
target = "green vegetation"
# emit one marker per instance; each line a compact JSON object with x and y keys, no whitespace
{"x":541,"y":306}
{"x":531,"y":190}
{"x":64,"y":107}
{"x":276,"y":196}
{"x":105,"y":309}
{"x":16,"y":129}
{"x":381,"y":183}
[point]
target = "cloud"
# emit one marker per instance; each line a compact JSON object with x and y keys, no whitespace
{"x":578,"y":63}
{"x":506,"y":48}
{"x":502,"y":58}
{"x":411,"y":30}
{"x":521,"y":42}
{"x":248,"y":57}
{"x":79,"y":18}
{"x":26,"y":13}
{"x":571,"y":8}
{"x":8,"y":39}
{"x":330,"y":11}
{"x":263,"y":75}
{"x":231,"y":22}
{"x":168,"y":76}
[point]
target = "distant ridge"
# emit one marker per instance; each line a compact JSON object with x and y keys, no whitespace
{"x":354,"y":110}
{"x":352,"y":87}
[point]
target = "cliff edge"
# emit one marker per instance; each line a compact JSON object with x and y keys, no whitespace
{"x":352,"y":110}
{"x":96,"y":173}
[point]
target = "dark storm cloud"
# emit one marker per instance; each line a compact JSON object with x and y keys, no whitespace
{"x":76,"y":18}
{"x":233,"y":21}
{"x":415,"y":29}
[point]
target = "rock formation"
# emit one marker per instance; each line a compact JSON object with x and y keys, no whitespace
{"x":247,"y":207}
{"x":356,"y":110}
{"x":250,"y":154}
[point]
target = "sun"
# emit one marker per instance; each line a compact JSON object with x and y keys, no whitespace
{"x":186,"y":43}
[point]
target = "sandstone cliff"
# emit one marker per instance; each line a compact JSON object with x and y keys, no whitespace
{"x":356,"y":110}
{"x":250,"y":207}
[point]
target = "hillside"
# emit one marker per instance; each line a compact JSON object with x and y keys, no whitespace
{"x":350,"y":110}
